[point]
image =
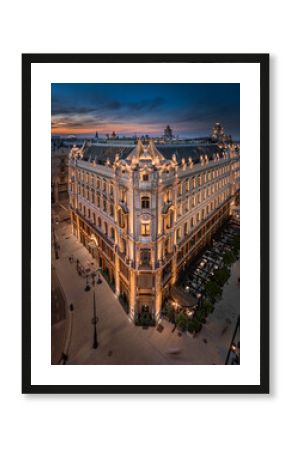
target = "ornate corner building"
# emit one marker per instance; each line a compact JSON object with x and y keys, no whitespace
{"x":144,"y":211}
{"x":59,"y":173}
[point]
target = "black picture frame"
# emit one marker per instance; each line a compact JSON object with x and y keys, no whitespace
{"x":27,"y":61}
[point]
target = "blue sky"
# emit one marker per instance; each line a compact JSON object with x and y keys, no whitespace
{"x":128,"y":108}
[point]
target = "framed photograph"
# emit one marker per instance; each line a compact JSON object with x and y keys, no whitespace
{"x":145,"y":223}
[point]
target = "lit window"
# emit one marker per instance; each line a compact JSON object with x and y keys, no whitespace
{"x":123,"y":195}
{"x":145,"y":228}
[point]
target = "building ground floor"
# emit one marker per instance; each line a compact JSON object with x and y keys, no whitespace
{"x":142,"y":292}
{"x":120,"y":342}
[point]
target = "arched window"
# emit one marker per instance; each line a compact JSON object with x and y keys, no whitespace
{"x":99,"y":222}
{"x":145,"y":202}
{"x":112,"y":234}
{"x":106,"y":228}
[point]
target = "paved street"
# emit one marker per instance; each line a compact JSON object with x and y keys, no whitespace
{"x":121,"y":342}
{"x":58,"y":316}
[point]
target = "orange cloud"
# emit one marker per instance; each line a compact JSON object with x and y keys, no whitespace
{"x":119,"y":128}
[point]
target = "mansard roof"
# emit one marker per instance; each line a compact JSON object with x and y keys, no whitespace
{"x":101,"y":153}
{"x":188,"y":150}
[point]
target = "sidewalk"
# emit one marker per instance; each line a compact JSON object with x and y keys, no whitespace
{"x":120,"y":341}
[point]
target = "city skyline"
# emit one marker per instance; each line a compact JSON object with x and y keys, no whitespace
{"x":136,"y":109}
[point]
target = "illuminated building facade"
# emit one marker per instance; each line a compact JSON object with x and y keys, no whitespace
{"x":144,"y":211}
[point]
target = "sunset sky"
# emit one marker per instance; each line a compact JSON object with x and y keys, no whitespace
{"x":129,"y":109}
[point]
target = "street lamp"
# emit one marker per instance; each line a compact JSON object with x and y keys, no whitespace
{"x":55,"y":244}
{"x":95,"y":320}
{"x":99,"y":281}
{"x":87,"y":288}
